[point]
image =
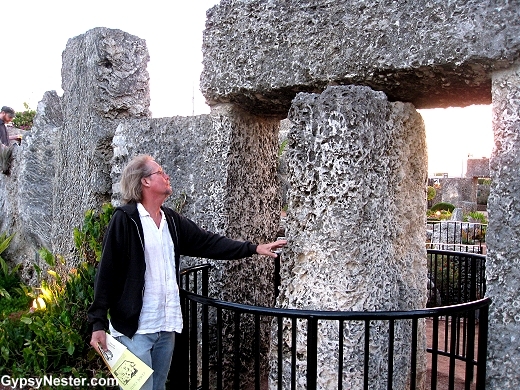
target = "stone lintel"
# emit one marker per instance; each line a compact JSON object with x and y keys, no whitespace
{"x":259,"y":54}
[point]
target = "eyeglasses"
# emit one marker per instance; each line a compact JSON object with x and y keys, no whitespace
{"x":160,"y":172}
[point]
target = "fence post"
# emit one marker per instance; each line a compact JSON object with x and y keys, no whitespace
{"x":312,"y":352}
{"x":179,"y":371}
{"x":482,"y":348}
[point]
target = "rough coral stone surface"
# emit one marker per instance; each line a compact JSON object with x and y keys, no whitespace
{"x":432,"y":53}
{"x":503,"y":235}
{"x":107,"y":69}
{"x":104,"y":78}
{"x":27,"y":194}
{"x":356,"y":162}
{"x":478,"y":168}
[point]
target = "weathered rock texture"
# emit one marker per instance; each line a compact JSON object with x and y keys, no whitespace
{"x":258,"y":55}
{"x":36,"y":170}
{"x":104,"y":78}
{"x":431,"y":53}
{"x":460,"y":192}
{"x":27,"y":194}
{"x":356,"y":161}
{"x":63,"y":165}
{"x":477,"y":167}
{"x":503,"y":237}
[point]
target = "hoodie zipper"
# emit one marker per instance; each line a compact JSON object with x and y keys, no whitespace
{"x":140,"y":240}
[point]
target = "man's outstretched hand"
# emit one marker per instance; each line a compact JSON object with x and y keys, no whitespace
{"x":270,"y":248}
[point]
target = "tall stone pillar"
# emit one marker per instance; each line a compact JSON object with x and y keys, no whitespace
{"x":104,"y":79}
{"x":357,"y":173}
{"x":247,"y":156}
{"x":503,"y":236}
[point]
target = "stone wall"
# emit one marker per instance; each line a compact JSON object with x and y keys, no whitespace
{"x":356,"y":161}
{"x":32,"y":184}
{"x":104,"y":78}
{"x":63,"y":165}
{"x":222,"y":166}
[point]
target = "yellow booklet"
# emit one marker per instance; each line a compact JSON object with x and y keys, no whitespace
{"x":128,"y":369}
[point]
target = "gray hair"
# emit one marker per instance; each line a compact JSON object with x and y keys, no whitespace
{"x":131,"y":186}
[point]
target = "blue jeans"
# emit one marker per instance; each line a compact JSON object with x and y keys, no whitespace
{"x":156,"y":350}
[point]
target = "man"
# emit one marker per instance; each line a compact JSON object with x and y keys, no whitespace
{"x":6,"y":116}
{"x":137,"y":279}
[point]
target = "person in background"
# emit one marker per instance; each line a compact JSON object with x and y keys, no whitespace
{"x":7,"y":114}
{"x":138,"y":276}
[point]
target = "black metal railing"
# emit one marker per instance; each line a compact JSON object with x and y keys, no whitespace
{"x":455,"y":277}
{"x":456,"y":236}
{"x":222,"y":345}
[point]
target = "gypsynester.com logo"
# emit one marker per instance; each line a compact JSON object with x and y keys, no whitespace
{"x":55,"y":382}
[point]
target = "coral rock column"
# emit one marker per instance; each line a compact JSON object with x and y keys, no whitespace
{"x":104,"y":80}
{"x":357,"y":173}
{"x":503,"y":236}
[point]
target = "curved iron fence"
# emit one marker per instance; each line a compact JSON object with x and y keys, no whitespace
{"x":455,"y":277}
{"x":456,"y":236}
{"x":222,"y":345}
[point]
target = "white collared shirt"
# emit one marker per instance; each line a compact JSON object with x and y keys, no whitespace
{"x":161,"y":303}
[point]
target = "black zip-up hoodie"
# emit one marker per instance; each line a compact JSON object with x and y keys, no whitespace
{"x":119,"y":284}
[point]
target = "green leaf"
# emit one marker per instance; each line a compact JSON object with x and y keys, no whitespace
{"x":5,"y":241}
{"x":5,"y":352}
{"x":47,"y":256}
{"x":4,"y":293}
{"x":26,"y":320}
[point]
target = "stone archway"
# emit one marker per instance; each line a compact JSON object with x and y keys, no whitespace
{"x":258,"y":55}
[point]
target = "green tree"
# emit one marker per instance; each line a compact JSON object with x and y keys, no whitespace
{"x":24,"y":120}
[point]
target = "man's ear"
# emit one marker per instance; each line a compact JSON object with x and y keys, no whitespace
{"x":145,"y":182}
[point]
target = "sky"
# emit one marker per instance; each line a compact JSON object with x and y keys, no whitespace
{"x":38,"y":32}
{"x":455,"y":134}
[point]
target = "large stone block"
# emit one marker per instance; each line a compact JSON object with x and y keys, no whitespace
{"x":432,"y":53}
{"x":478,"y":167}
{"x":503,"y":235}
{"x":104,"y":80}
{"x":457,"y":191}
{"x":357,"y":164}
{"x":27,"y":194}
{"x":104,"y":72}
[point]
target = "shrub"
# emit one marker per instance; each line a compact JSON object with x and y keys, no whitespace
{"x":475,"y":216}
{"x":24,"y":119}
{"x":53,"y":337}
{"x":89,"y":239}
{"x":431,"y":193}
{"x":12,"y":290}
{"x":8,"y":278}
{"x":443,"y":206}
{"x":438,"y":215}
